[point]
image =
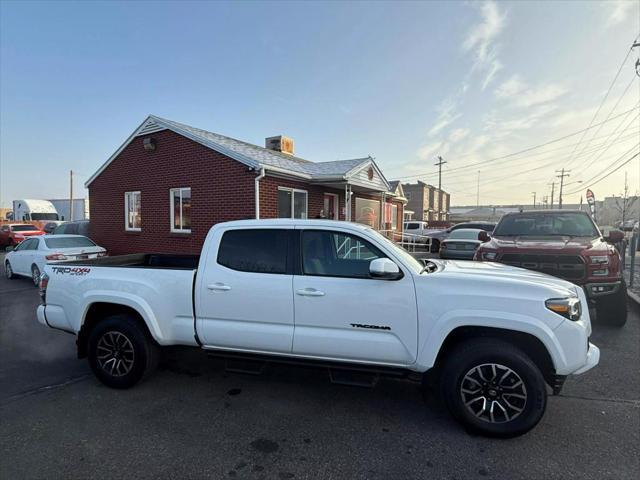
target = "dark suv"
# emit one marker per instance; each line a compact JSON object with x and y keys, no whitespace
{"x":566,"y":244}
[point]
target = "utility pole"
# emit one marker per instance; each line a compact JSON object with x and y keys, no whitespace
{"x":553,"y":188}
{"x":478,"y":191}
{"x":534,"y":200}
{"x":439,"y":165}
{"x":561,"y":177}
{"x":70,"y":195}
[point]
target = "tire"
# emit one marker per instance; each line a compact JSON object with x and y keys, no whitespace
{"x":8,"y":271}
{"x":132,"y":354}
{"x":612,"y":309}
{"x":435,"y":246}
{"x":517,"y":374}
{"x":35,"y":275}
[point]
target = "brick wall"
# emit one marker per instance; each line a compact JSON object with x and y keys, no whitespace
{"x":221,"y":189}
{"x":315,"y":196}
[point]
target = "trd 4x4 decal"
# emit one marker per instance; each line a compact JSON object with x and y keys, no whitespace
{"x":71,"y":270}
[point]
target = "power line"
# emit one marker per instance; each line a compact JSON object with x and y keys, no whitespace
{"x":590,"y":182}
{"x":610,"y":112}
{"x":593,"y":160}
{"x":467,"y":178}
{"x":535,"y":147}
{"x":595,"y":115}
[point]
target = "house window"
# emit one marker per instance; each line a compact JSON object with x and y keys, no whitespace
{"x":292,"y":203}
{"x":394,"y":216}
{"x":132,"y":218}
{"x":180,"y":209}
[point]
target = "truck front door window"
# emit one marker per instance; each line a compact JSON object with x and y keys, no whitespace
{"x":337,"y":254}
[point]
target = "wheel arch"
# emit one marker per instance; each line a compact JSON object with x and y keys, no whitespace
{"x":98,"y":311}
{"x":529,"y":343}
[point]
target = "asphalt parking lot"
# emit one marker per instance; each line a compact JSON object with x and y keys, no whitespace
{"x":194,"y":420}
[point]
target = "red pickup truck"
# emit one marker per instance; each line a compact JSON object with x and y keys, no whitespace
{"x":566,"y":244}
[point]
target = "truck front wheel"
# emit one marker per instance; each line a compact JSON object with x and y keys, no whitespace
{"x":493,"y":388}
{"x":120,"y":352}
{"x":612,"y":309}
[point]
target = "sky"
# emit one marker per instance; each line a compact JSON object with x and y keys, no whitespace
{"x":404,"y":82}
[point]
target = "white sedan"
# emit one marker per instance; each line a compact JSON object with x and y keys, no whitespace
{"x":29,"y":258}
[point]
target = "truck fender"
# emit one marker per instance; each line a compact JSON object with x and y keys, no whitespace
{"x":122,"y":298}
{"x":488,"y":319}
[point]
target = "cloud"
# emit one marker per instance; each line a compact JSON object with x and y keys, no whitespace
{"x":446,"y":116}
{"x":481,"y":40}
{"x":459,"y":134}
{"x":520,"y":94}
{"x":618,"y":11}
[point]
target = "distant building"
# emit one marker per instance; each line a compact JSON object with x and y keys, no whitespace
{"x":426,"y":201}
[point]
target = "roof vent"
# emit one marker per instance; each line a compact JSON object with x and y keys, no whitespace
{"x":279,"y":143}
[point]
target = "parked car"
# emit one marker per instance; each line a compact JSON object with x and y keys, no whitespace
{"x":49,"y":227}
{"x":438,"y":235}
{"x":628,"y":225}
{"x":566,"y":244}
{"x":462,"y":243}
{"x":29,"y":258}
{"x":78,"y":227}
{"x":490,"y":336}
{"x":13,"y":234}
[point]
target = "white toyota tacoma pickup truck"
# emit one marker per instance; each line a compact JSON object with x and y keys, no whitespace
{"x":492,"y":338}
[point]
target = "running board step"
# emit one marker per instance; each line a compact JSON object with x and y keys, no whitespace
{"x":240,"y":365}
{"x":353,"y":378}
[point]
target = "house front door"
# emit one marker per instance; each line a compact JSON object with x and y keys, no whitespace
{"x":331,"y":206}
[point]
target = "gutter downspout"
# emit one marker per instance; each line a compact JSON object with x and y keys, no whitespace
{"x":260,"y":176}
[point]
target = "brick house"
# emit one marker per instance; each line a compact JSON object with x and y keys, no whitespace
{"x":164,"y":188}
{"x":427,"y":202}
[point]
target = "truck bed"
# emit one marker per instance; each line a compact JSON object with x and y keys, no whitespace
{"x":142,"y":260}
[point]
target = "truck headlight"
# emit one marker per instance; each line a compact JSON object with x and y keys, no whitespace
{"x":600,"y":259}
{"x":567,"y":307}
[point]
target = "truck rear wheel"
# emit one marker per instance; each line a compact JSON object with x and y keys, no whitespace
{"x":493,"y":388}
{"x":120,"y":352}
{"x":612,"y":309}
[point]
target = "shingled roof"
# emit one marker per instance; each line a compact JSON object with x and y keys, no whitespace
{"x":251,"y":155}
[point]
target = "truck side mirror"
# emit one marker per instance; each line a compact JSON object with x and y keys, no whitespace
{"x":615,"y":236}
{"x":483,"y":236}
{"x":384,"y":269}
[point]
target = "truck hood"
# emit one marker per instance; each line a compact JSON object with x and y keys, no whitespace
{"x":496,"y":275}
{"x":555,"y":243}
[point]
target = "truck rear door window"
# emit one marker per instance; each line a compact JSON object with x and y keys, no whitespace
{"x":259,"y":250}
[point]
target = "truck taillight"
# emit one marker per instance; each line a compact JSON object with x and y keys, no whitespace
{"x":44,"y":283}
{"x":56,"y":256}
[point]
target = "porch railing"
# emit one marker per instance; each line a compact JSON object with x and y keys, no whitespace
{"x":409,"y":241}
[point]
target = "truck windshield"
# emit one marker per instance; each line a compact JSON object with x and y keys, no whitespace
{"x":547,"y":224}
{"x":44,"y":216}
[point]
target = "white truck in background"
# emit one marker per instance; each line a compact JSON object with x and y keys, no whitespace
{"x":37,"y":212}
{"x":492,"y":338}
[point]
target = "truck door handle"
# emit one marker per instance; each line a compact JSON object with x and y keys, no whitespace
{"x":220,"y":287}
{"x":310,"y":292}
